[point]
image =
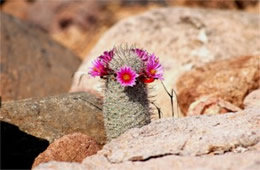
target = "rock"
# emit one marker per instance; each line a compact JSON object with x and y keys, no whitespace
{"x":79,"y":25}
{"x":211,"y":105}
{"x":53,"y":117}
{"x":182,"y":38}
{"x":69,"y":148}
{"x":239,"y":4}
{"x":229,"y":79}
{"x":15,"y":8}
{"x":225,"y":162}
{"x":32,"y":65}
{"x":63,"y":14}
{"x":197,"y":142}
{"x":76,"y":25}
{"x":252,"y":99}
{"x":194,"y":136}
{"x":53,"y":165}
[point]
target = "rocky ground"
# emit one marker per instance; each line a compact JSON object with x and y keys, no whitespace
{"x":72,"y":25}
{"x":210,"y":57}
{"x":229,"y":141}
{"x":185,"y":39}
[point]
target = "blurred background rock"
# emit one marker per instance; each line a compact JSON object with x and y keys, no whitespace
{"x":33,"y":65}
{"x":78,"y":24}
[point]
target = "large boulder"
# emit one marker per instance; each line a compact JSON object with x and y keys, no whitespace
{"x":32,"y":64}
{"x":200,"y":142}
{"x":193,"y":136}
{"x":183,"y":38}
{"x":243,"y":161}
{"x":53,"y":117}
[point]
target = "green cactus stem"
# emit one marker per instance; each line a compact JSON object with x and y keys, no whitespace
{"x":124,"y":107}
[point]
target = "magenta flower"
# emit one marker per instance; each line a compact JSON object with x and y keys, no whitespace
{"x":154,"y":68}
{"x":141,"y":53}
{"x":107,"y":56}
{"x":150,"y":71}
{"x":98,"y":69}
{"x":126,"y":76}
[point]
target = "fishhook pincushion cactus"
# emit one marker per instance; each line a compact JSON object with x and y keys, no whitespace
{"x":126,"y":72}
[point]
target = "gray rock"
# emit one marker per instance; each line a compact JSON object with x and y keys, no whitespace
{"x":229,"y":141}
{"x":182,"y":38}
{"x":52,"y":117}
{"x":32,"y":64}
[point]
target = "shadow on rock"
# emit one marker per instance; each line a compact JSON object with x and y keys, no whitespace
{"x":18,"y":149}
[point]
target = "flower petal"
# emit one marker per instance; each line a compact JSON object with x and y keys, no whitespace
{"x":126,"y":76}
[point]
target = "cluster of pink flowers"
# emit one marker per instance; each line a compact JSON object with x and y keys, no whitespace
{"x":127,"y":76}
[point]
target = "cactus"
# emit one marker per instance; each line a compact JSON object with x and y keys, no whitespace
{"x":126,"y":72}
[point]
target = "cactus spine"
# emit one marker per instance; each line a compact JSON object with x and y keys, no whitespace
{"x":124,"y":107}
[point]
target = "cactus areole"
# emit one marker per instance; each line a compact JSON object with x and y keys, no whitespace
{"x":126,"y":71}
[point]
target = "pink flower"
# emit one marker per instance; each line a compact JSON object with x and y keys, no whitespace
{"x":126,"y":76}
{"x":107,"y":56}
{"x":154,"y":68}
{"x":141,"y":53}
{"x":98,"y":69}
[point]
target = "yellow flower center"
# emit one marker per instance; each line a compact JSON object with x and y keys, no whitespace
{"x":126,"y":77}
{"x":97,"y":69}
{"x":152,"y":71}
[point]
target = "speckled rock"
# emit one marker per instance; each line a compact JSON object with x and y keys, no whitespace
{"x":54,"y":165}
{"x":229,"y":79}
{"x":230,"y":161}
{"x":32,"y":64}
{"x":55,"y":116}
{"x":69,"y":148}
{"x":252,"y":99}
{"x":228,"y":141}
{"x":193,"y":136}
{"x":183,"y":38}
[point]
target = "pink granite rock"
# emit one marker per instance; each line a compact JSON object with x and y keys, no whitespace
{"x":195,"y":136}
{"x":230,"y":161}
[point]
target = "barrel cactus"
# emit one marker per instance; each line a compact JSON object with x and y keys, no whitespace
{"x":126,"y":72}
